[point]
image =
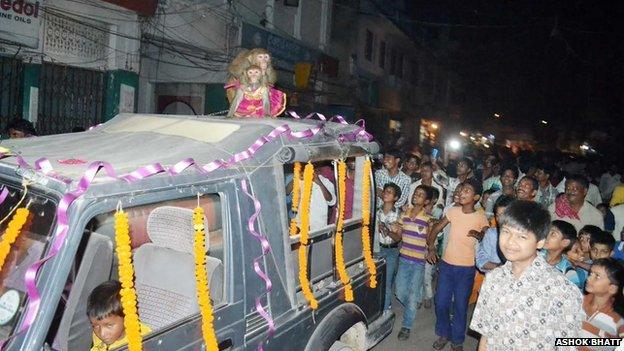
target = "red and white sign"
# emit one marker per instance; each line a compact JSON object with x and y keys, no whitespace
{"x":20,"y":21}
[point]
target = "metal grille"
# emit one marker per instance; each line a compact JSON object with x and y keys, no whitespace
{"x":69,"y":97}
{"x":11,"y":84}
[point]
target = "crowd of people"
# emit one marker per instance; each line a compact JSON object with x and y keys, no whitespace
{"x":534,"y":242}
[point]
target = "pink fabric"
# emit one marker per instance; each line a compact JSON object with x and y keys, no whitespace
{"x":563,"y":208}
{"x":253,"y":107}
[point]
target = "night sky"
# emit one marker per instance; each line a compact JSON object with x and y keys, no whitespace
{"x":561,"y":61}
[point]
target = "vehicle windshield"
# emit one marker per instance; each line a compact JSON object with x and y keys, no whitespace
{"x":27,"y":249}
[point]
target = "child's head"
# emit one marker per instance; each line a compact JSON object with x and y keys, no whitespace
{"x":411,"y":164}
{"x":606,"y":278}
{"x":430,"y":206}
{"x":486,"y":196}
{"x":524,"y":227}
{"x":601,"y":245}
{"x":585,"y":235}
{"x":391,"y":193}
{"x":392,"y":159}
{"x":470,"y":192}
{"x":509,"y":174}
{"x":105,"y":312}
{"x":501,"y":205}
{"x":456,"y":193}
{"x":561,"y":237}
{"x":464,"y":166}
{"x":426,"y":170}
{"x":422,"y":195}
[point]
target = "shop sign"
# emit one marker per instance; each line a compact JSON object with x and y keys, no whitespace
{"x":20,"y":21}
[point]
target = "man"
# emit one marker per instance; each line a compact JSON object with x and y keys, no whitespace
{"x":573,"y":208}
{"x":391,"y":173}
{"x":547,"y":193}
{"x":527,"y":188}
{"x":490,"y":175}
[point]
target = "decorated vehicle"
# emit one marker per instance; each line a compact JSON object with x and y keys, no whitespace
{"x":193,"y":216}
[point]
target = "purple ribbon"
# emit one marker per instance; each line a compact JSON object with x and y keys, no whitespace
{"x":266,"y":248}
{"x":3,"y":194}
{"x":62,"y":227}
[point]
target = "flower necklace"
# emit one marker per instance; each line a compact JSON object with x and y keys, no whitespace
{"x":338,"y":247}
{"x":308,"y":174}
{"x":366,"y":244}
{"x":201,"y":281}
{"x":126,"y":277}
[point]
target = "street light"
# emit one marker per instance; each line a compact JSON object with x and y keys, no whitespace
{"x":454,"y":144}
{"x":434,"y":126}
{"x":464,"y":134}
{"x":496,"y":115}
{"x":544,"y":122}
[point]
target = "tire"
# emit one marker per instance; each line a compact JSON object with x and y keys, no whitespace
{"x":331,"y":330}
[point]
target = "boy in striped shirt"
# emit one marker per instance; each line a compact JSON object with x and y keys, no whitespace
{"x":413,"y":227}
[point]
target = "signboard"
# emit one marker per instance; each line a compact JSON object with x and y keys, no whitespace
{"x":20,"y":21}
{"x":285,"y":52}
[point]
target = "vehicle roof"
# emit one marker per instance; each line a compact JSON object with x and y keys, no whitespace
{"x":130,"y":141}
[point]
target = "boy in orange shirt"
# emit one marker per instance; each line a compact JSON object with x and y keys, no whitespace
{"x":457,"y":267}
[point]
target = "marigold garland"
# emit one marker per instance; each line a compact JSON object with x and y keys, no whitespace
{"x":308,"y":175}
{"x":366,"y":244}
{"x":201,"y":281}
{"x":296,"y":194}
{"x":126,"y":277}
{"x":13,"y":230}
{"x":338,"y":247}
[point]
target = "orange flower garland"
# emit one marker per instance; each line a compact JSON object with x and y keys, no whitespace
{"x":308,"y":174}
{"x":201,"y":281}
{"x":338,"y":247}
{"x":126,"y":277}
{"x":366,"y":244}
{"x":296,"y":194}
{"x":13,"y":230}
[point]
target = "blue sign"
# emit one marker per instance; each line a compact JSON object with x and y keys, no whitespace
{"x":285,"y":52}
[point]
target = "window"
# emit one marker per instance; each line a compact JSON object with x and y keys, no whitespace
{"x":26,"y":250}
{"x":382,"y":54}
{"x":393,"y":61}
{"x":368,"y":49}
{"x":162,"y":237}
{"x":399,"y":65}
{"x":320,"y":253}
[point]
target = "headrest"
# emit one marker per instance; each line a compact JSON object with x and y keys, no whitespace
{"x":172,"y":227}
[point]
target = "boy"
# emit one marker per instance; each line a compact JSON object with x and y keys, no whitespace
{"x":559,"y":241}
{"x":488,"y":256}
{"x":526,"y":304}
{"x":107,"y":318}
{"x":385,"y":219}
{"x":457,"y":268}
{"x":601,"y":246}
{"x":413,"y":227}
{"x":391,"y":173}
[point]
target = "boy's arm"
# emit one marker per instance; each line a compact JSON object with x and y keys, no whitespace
{"x":435,"y":230}
{"x":395,"y":231}
{"x":432,"y":255}
{"x":482,"y":343}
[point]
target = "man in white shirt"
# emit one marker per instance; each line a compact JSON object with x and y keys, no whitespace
{"x":618,"y":215}
{"x":593,"y":195}
{"x":323,"y":196}
{"x":578,"y":211}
